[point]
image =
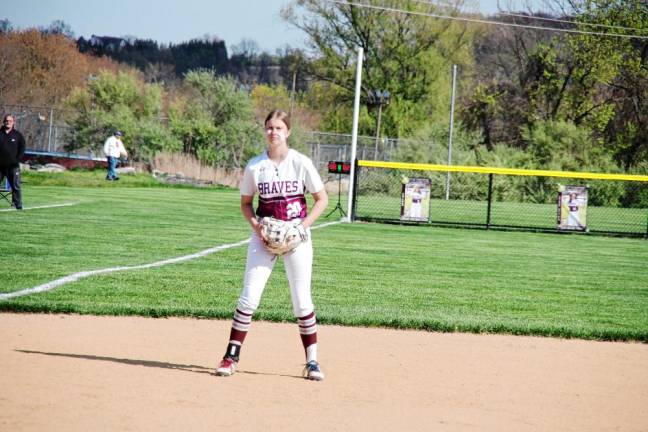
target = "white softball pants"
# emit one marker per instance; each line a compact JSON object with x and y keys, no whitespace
{"x":258,"y":268}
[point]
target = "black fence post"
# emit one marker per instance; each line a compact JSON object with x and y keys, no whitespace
{"x":352,"y":216}
{"x":490,"y":200}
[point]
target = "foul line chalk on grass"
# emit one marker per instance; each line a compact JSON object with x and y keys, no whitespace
{"x":80,"y":275}
{"x":40,"y":207}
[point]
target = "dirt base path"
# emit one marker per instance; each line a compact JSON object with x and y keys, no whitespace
{"x":80,"y":373}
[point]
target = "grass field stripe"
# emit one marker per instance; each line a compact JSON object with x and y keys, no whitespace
{"x":41,"y":207}
{"x":80,"y":275}
{"x":503,"y":171}
{"x":324,"y":225}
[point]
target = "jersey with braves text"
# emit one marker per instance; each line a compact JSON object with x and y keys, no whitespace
{"x":281,"y":187}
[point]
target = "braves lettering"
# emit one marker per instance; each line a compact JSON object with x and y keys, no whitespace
{"x":278,"y":187}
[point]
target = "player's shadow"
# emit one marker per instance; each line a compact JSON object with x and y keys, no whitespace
{"x":148,"y":363}
{"x":134,"y":362}
{"x":269,"y":374}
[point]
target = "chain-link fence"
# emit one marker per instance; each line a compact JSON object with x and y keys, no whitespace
{"x":498,"y":201}
{"x":473,"y":199}
{"x":45,"y":131}
{"x":326,"y":147}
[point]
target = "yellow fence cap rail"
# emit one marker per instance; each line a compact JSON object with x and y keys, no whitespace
{"x":502,"y":171}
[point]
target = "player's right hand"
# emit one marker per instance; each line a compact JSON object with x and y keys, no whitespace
{"x":258,"y":229}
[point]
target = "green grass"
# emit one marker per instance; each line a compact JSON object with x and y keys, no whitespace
{"x":85,"y":178}
{"x":417,"y":277}
{"x":94,"y":178}
{"x":537,"y":216}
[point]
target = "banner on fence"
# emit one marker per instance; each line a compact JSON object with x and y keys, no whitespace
{"x":415,"y":200}
{"x":572,"y":208}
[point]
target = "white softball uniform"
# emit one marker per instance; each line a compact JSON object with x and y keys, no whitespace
{"x":415,"y":210}
{"x":573,"y":218}
{"x":282,"y":192}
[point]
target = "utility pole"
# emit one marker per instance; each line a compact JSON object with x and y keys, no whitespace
{"x":292,"y":93}
{"x":452,"y":106}
{"x":379,"y":98}
{"x":49,"y":135}
{"x":377,"y":131}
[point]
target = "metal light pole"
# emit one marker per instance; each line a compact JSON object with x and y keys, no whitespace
{"x":379,"y":98}
{"x":452,"y":105}
{"x":49,"y":136}
{"x":377,"y":131}
{"x":292,"y":93}
{"x":354,"y":133}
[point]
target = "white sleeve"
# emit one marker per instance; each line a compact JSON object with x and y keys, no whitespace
{"x":106,"y":147}
{"x":248,"y":187}
{"x":313,"y":180}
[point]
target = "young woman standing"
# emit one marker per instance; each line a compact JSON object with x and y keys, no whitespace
{"x":281,"y":177}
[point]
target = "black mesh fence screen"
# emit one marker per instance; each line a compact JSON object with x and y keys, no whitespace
{"x":618,"y":207}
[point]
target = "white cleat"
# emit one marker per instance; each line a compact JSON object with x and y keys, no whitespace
{"x":227,"y":367}
{"x":313,"y":372}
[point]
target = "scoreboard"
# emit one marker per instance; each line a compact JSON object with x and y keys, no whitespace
{"x":336,"y":167}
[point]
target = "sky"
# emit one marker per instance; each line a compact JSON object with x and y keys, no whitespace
{"x":169,"y":21}
{"x":162,"y":20}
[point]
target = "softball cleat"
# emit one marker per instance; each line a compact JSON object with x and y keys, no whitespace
{"x":313,"y":372}
{"x":227,"y":367}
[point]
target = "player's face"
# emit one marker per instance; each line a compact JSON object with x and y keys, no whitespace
{"x":276,"y":132}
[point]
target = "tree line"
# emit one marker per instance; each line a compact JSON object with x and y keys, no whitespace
{"x":570,"y":100}
{"x":169,"y":63}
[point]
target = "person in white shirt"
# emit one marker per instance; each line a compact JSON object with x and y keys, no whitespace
{"x":114,"y":149}
{"x":282,"y":177}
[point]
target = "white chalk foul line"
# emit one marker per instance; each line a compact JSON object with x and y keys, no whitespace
{"x":40,"y":207}
{"x":80,"y":275}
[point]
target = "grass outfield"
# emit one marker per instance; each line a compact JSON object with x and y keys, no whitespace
{"x":417,"y":277}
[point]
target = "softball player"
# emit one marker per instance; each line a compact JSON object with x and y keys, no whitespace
{"x":417,"y":198}
{"x":281,"y":176}
{"x":574,"y":203}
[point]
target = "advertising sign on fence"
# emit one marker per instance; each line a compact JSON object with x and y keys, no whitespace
{"x":415,"y":200}
{"x":572,"y":208}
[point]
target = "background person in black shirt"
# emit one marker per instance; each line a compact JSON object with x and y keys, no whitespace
{"x":12,"y":149}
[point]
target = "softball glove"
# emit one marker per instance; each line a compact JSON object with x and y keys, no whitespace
{"x":282,"y":236}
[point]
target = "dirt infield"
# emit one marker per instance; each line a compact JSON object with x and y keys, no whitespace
{"x":79,"y":373}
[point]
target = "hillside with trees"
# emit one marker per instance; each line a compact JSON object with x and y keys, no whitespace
{"x":574,"y":98}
